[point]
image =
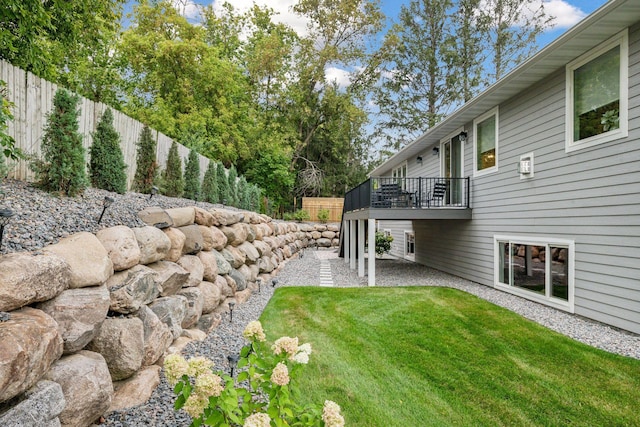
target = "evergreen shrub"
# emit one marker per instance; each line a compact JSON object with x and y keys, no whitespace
{"x":107,"y":167}
{"x":192,"y":176}
{"x":172,"y":179}
{"x":146,"y":163}
{"x":210,"y":184}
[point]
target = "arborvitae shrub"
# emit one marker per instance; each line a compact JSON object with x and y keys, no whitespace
{"x":172,"y":180}
{"x":243,"y":193}
{"x":210,"y":184}
{"x":232,"y":177}
{"x":62,"y":168}
{"x":107,"y":167}
{"x":146,"y":164}
{"x":254,"y":195}
{"x":223,"y":185}
{"x":192,"y":176}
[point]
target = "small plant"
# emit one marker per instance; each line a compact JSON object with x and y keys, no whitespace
{"x":301,"y":215}
{"x":63,"y":167}
{"x":107,"y":166}
{"x":146,"y":164}
{"x":7,"y":143}
{"x":383,"y":243}
{"x":216,"y":399}
{"x":610,"y":120}
{"x":287,"y":216}
{"x":172,"y":180}
{"x":323,"y":215}
{"x":192,"y":176}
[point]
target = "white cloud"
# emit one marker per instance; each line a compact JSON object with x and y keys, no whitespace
{"x":566,"y":15}
{"x":340,"y":76}
{"x":187,"y":8}
{"x":283,"y":9}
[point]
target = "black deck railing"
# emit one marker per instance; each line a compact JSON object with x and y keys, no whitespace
{"x":421,"y":192}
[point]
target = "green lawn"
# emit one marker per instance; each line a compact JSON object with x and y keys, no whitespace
{"x":423,"y":356}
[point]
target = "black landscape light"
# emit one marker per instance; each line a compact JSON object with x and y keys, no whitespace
{"x":233,"y":361}
{"x":301,"y":253}
{"x":154,"y":191}
{"x":231,"y":306}
{"x":274,"y":282}
{"x":5,"y":216}
{"x":259,"y":282}
{"x":105,"y":204}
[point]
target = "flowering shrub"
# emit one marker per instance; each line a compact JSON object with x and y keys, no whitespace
{"x":267,"y":397}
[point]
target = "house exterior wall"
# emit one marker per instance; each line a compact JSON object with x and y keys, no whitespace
{"x":590,"y":196}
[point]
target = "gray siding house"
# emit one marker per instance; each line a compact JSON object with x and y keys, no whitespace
{"x":532,"y":187}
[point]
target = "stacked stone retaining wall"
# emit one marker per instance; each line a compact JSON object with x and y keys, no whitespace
{"x":85,"y":323}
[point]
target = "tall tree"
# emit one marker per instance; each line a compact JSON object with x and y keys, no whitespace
{"x":63,"y":168}
{"x":106,"y":164}
{"x":172,"y":179}
{"x":210,"y":185}
{"x":146,"y":164}
{"x":192,"y":176}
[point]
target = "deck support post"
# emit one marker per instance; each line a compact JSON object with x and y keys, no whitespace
{"x":361,"y":241}
{"x":346,"y":240}
{"x":372,"y":252}
{"x":352,"y":244}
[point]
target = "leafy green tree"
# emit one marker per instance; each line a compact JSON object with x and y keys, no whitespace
{"x":7,"y":143}
{"x":106,"y":165}
{"x":210,"y":184}
{"x":63,"y":167}
{"x":172,"y":179}
{"x":192,"y":176}
{"x":146,"y":164}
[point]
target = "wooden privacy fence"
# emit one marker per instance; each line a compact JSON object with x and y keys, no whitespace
{"x":33,"y":99}
{"x":313,"y":205}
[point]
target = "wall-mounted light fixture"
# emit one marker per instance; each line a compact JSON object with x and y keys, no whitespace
{"x":525,"y":166}
{"x":462,"y":136}
{"x":419,"y":160}
{"x":436,"y":151}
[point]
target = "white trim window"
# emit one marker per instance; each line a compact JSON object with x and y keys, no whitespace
{"x":538,"y":269}
{"x":409,"y":243}
{"x":485,"y":143}
{"x":400,"y":173}
{"x":597,"y":95}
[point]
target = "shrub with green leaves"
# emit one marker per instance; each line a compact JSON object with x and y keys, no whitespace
{"x":223,"y":185}
{"x":323,"y":215}
{"x":232,"y":180}
{"x":7,"y":143}
{"x":210,"y":184}
{"x":172,"y":179}
{"x":146,"y":163}
{"x":383,"y":243}
{"x":62,"y":169}
{"x":301,"y":215}
{"x":106,"y":166}
{"x":192,"y":176}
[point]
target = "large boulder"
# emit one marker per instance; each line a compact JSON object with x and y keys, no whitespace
{"x":171,"y":311}
{"x":251,"y":253}
{"x":121,"y":343}
{"x":210,"y":265}
{"x":236,"y":233}
{"x":177,"y":239}
{"x":246,"y":273}
{"x":263,"y":248}
{"x":266,"y":265}
{"x":194,"y":266}
{"x":27,"y":278}
{"x":135,"y":390}
{"x":202,"y":217}
{"x":207,"y":237}
{"x":170,"y":277}
{"x":223,"y":265}
{"x":329,"y":234}
{"x":29,"y":344}
{"x":39,"y":406}
{"x":234,"y":256}
{"x":239,"y":278}
{"x":89,"y":261}
{"x":225,"y":289}
{"x":154,"y":244}
{"x":182,"y":216}
{"x":195,"y":302}
{"x":219,"y":240}
{"x":154,"y":215}
{"x":86,"y":385}
{"x":225,"y":216}
{"x":333,"y":227}
{"x":157,"y":336}
{"x":131,"y":289}
{"x":121,"y":245}
{"x":209,"y":322}
{"x":79,"y":314}
{"x":212,"y":296}
{"x":194,"y":242}
{"x":323,"y":243}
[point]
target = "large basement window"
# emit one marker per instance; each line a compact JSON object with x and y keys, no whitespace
{"x":536,"y":269}
{"x":597,"y":95}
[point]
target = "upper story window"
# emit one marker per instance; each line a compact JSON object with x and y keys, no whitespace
{"x":400,"y":173}
{"x":597,"y":94}
{"x":485,"y":131}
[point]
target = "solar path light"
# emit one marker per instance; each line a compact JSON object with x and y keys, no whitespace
{"x":105,"y":204}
